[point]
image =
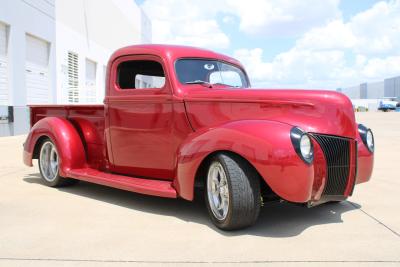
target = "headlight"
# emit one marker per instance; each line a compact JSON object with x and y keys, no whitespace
{"x":305,"y":146}
{"x":367,"y":137}
{"x":302,"y":144}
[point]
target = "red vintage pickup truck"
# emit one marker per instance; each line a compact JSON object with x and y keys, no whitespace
{"x":175,"y":117}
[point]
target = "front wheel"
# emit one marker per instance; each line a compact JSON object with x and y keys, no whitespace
{"x":232,"y":192}
{"x":49,"y":163}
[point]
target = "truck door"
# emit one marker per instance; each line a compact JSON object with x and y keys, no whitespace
{"x":140,"y":117}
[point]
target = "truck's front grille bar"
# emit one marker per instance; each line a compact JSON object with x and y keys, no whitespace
{"x":337,"y":155}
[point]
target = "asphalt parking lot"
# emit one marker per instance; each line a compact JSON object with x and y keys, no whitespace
{"x":87,"y":224}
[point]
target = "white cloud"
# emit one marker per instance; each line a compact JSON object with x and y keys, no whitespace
{"x":334,"y":35}
{"x":381,"y":67}
{"x":374,"y":31}
{"x":378,"y":28}
{"x":195,"y":22}
{"x":182,"y":22}
{"x":282,"y":17}
{"x":321,"y":56}
{"x":329,"y":51}
{"x":228,"y":19}
{"x":294,"y":68}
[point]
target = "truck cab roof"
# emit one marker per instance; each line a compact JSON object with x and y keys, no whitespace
{"x":172,"y":53}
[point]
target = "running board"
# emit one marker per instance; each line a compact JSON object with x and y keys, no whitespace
{"x":139,"y":185}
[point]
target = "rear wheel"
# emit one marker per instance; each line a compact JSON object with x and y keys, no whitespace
{"x":49,"y":163}
{"x":232,"y":192}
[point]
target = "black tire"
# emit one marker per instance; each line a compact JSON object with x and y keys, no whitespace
{"x":244,"y":193}
{"x":336,"y":201}
{"x":57,"y":181}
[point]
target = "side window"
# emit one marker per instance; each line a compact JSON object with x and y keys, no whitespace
{"x":140,"y":74}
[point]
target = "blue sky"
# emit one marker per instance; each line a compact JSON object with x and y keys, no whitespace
{"x":290,"y":44}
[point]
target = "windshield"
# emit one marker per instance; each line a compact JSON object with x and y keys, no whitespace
{"x":210,"y":72}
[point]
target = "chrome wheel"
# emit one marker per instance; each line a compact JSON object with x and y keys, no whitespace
{"x":218,"y":191}
{"x":49,"y":161}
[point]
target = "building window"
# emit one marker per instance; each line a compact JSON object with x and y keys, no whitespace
{"x":91,"y":68}
{"x":73,"y":78}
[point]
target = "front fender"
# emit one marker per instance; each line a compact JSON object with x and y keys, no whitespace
{"x":265,"y":144}
{"x":67,"y":140}
{"x":365,"y":161}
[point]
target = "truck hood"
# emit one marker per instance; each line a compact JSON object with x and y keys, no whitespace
{"x":316,"y":111}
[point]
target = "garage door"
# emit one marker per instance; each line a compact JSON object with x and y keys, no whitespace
{"x":3,"y":66}
{"x":37,"y":71}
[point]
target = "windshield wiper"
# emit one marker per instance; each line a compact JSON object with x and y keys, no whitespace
{"x":229,"y":85}
{"x":207,"y":84}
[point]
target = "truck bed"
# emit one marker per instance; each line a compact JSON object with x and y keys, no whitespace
{"x":87,"y":119}
{"x":38,"y":112}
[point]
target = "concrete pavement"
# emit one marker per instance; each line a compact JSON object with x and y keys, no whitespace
{"x":92,"y":225}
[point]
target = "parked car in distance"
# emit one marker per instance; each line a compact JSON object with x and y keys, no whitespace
{"x":388,"y":104}
{"x":175,"y":117}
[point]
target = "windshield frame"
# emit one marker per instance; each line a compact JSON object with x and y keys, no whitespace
{"x":248,"y":85}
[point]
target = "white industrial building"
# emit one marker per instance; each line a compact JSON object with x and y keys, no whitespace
{"x":369,"y":95}
{"x":56,"y":51}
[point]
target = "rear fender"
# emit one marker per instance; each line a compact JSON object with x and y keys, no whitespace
{"x":66,"y":138}
{"x":265,"y":144}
